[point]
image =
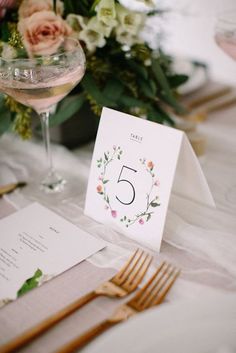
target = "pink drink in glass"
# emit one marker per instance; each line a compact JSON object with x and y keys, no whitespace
{"x":227,"y":43}
{"x":43,"y":95}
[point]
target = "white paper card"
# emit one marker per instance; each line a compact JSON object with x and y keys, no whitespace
{"x":132,"y":172}
{"x":37,"y":243}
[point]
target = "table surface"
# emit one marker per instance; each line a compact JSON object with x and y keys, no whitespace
{"x":199,"y":240}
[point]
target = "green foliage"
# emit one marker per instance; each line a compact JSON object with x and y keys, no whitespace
{"x":66,"y":109}
{"x":30,"y":283}
{"x":127,"y":83}
{"x":135,"y":79}
{"x":5,"y":116}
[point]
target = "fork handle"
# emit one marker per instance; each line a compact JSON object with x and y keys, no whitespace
{"x":85,"y":338}
{"x":46,"y":324}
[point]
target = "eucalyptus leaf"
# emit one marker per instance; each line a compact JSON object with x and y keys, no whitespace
{"x":67,"y":108}
{"x":5,"y":32}
{"x":158,"y":115}
{"x":68,"y":7}
{"x":5,"y":121}
{"x":131,"y":102}
{"x":146,"y":88}
{"x":139,"y":69}
{"x":113,"y":90}
{"x":89,"y":84}
{"x":166,"y":93}
{"x":177,"y":80}
{"x":5,"y":116}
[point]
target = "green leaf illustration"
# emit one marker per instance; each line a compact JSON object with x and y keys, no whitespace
{"x":30,"y":283}
{"x":155,"y":204}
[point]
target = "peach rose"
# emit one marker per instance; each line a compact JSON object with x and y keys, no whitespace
{"x":43,"y":32}
{"x":28,"y":7}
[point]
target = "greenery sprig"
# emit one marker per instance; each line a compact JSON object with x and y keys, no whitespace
{"x":127,"y":75}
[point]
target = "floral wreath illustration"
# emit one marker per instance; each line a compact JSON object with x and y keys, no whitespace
{"x":151,"y":201}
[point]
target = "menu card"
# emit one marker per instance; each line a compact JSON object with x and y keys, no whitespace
{"x":36,"y":244}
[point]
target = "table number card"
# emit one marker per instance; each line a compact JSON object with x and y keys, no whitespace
{"x":133,"y":168}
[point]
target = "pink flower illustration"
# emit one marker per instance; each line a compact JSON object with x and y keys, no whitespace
{"x":150,"y":165}
{"x":99,"y":188}
{"x":114,"y":213}
{"x":141,"y":221}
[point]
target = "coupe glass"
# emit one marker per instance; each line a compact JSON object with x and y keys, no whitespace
{"x":40,"y":83}
{"x":225,"y":33}
{"x":225,"y":37}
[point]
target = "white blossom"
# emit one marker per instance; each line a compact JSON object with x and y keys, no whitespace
{"x":106,"y":12}
{"x":100,"y":26}
{"x":130,"y":21}
{"x":140,"y":5}
{"x":76,"y":22}
{"x":125,"y":37}
{"x":93,"y":35}
{"x":8,"y":52}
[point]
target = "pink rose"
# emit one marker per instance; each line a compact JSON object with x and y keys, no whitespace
{"x":4,"y":5}
{"x":43,"y":33}
{"x":7,"y":4}
{"x":29,"y":7}
{"x":114,"y":214}
{"x":141,"y":221}
{"x":2,"y":13}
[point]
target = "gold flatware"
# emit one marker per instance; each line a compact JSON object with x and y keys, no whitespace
{"x":195,"y":103}
{"x":5,"y":189}
{"x":122,"y":284}
{"x":152,"y":294}
{"x":221,"y":105}
{"x":201,"y":114}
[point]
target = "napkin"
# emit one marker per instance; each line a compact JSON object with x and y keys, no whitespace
{"x":11,"y":176}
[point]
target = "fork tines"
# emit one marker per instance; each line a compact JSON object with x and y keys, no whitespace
{"x":134,"y":270}
{"x":156,"y":288}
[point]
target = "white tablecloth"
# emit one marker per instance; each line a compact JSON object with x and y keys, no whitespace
{"x":199,"y":240}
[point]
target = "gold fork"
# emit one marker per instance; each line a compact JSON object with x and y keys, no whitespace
{"x":152,"y":294}
{"x":122,"y":284}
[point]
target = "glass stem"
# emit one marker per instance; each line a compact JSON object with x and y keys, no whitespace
{"x":44,"y":118}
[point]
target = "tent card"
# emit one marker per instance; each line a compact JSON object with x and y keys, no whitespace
{"x":132,"y":172}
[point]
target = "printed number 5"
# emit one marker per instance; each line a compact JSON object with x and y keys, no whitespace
{"x":132,"y":189}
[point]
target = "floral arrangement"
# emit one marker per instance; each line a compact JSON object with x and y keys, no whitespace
{"x":123,"y":72}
